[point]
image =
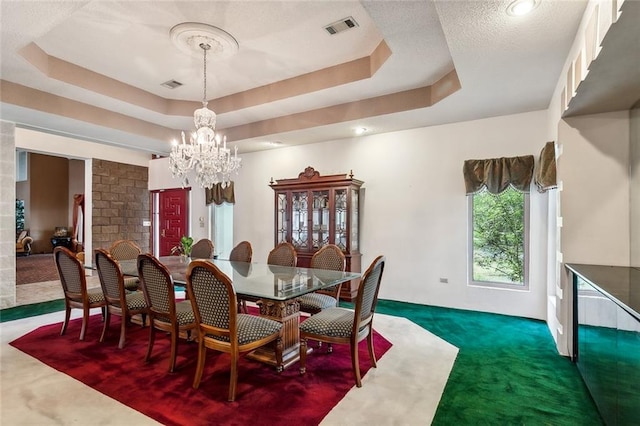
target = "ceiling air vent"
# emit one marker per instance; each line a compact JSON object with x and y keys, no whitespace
{"x":341,"y":25}
{"x":171,"y":84}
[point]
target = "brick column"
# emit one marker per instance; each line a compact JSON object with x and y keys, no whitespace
{"x":120,"y":204}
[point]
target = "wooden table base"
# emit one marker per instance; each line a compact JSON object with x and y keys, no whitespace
{"x":288,"y":313}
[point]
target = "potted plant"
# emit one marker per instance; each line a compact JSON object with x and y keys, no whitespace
{"x":184,"y":248}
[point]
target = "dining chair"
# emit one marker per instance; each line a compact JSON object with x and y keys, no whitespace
{"x":203,"y":249}
{"x":242,"y":252}
{"x":220,"y":326}
{"x":126,"y":250}
{"x":347,"y":326}
{"x":120,"y":302}
{"x":74,"y":285}
{"x":164,"y":313}
{"x":329,"y":257}
{"x":284,"y":254}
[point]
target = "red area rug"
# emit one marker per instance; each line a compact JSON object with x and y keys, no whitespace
{"x":263,"y":396}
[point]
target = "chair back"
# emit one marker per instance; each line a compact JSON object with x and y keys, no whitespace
{"x":203,"y":249}
{"x":243,"y":252}
{"x":157,"y":286}
{"x":124,"y":250}
{"x":213,"y":300}
{"x":367,"y":297}
{"x":111,"y":278}
{"x":328,"y":257}
{"x":71,"y":272}
{"x":284,"y":254}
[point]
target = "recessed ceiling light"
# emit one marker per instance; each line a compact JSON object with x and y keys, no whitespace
{"x":274,"y":143}
{"x":521,"y":7}
{"x":360,"y":130}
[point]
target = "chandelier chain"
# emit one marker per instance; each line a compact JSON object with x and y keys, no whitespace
{"x":205,"y":47}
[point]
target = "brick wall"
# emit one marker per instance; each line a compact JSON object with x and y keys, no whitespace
{"x":120,"y":204}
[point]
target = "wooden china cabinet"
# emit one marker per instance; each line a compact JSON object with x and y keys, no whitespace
{"x":313,"y":210}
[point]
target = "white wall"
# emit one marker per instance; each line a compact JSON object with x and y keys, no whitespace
{"x":594,"y":169}
{"x":414,"y":208}
{"x":634,"y":187}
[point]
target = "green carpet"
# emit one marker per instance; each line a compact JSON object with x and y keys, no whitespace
{"x":507,"y":372}
{"x":26,"y":311}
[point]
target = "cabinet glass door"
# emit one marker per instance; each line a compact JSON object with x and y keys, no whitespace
{"x":340,"y":206}
{"x":320,"y":219}
{"x":354,"y":219}
{"x":300,"y":220}
{"x":281,"y":217}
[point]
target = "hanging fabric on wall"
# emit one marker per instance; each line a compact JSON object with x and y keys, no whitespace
{"x":218,"y":195}
{"x":546,"y":172}
{"x":497,"y":174}
{"x":78,"y":221}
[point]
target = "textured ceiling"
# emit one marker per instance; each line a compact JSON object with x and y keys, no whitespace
{"x":407,"y":64}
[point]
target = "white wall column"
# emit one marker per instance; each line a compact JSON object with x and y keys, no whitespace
{"x":7,"y":215}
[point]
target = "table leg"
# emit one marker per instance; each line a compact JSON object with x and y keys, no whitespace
{"x":288,"y":313}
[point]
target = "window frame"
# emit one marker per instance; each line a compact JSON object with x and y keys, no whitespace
{"x":216,"y":234}
{"x":526,"y":243}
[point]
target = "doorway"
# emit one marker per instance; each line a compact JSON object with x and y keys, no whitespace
{"x":170,"y":213}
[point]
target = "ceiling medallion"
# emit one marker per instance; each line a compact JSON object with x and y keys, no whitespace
{"x":188,"y":37}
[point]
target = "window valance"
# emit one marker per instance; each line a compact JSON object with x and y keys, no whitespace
{"x":218,"y":195}
{"x":546,"y":172}
{"x":497,"y":174}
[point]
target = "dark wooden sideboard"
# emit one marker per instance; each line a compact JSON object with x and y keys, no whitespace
{"x":606,"y":338}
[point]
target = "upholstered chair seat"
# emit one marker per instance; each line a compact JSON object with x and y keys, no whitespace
{"x":251,"y":328}
{"x":184,"y":314}
{"x":328,"y":257}
{"x":94,"y":296}
{"x":316,"y":302}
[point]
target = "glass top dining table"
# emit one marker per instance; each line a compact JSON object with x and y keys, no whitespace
{"x":277,"y":289}
{"x":257,"y":280}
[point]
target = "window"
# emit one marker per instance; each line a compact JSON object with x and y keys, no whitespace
{"x":499,"y":239}
{"x":221,"y":228}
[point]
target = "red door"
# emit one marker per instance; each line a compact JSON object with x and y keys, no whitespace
{"x":173,"y":218}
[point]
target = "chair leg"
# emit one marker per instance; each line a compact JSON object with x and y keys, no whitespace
{"x":123,"y":330}
{"x":303,"y":355}
{"x":279,"y":350}
{"x":107,"y":320}
{"x":372,"y":354}
{"x":152,"y":338}
{"x":67,"y":316}
{"x":233,"y":380}
{"x":174,"y":349}
{"x":202,"y":354}
{"x":355,"y":363}
{"x":85,"y":321}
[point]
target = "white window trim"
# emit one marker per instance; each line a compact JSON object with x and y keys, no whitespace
{"x":497,"y":285}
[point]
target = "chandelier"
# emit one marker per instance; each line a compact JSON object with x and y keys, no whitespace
{"x":206,"y":151}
